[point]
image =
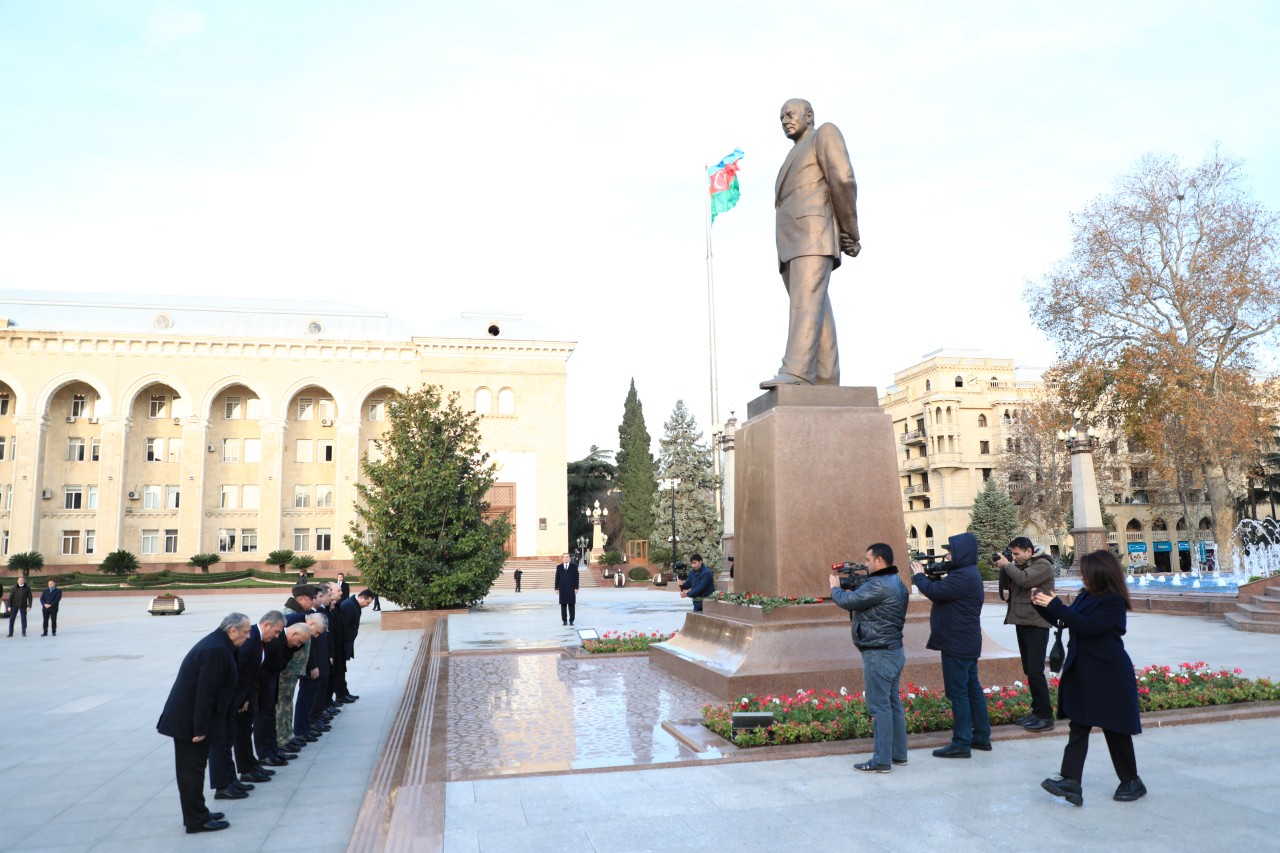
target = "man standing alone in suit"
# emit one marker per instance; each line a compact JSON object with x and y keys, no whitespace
{"x":49,"y":601}
{"x":816,"y":201}
{"x":19,"y":603}
{"x":567,"y":587}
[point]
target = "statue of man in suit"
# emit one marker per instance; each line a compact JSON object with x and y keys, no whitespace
{"x":817,"y":219}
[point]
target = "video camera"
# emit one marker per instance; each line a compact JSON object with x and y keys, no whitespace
{"x":996,"y":555}
{"x":852,"y":575}
{"x":681,"y":568}
{"x":935,"y":565}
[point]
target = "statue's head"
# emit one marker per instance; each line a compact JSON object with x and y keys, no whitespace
{"x":797,"y":117}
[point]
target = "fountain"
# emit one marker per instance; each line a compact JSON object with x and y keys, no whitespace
{"x":1258,"y":551}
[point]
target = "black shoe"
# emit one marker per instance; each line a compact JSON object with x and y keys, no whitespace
{"x":45,"y":634}
{"x":310,"y":738}
{"x":1039,"y":724}
{"x":296,"y":744}
{"x":264,"y":771}
{"x":230,"y":794}
{"x":983,"y":746}
{"x":335,"y":710}
{"x":952,"y":751}
{"x":562,"y":622}
{"x":900,"y":762}
{"x":208,"y":826}
{"x":868,"y":767}
{"x":1130,"y":791}
{"x":349,"y":698}
{"x":242,"y":786}
{"x":1068,"y":789}
{"x":286,"y":757}
{"x":322,"y":727}
{"x":216,"y":815}
{"x":254,"y":777}
{"x":1022,"y":721}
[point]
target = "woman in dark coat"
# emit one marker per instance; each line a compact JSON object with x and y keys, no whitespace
{"x":1097,"y":687}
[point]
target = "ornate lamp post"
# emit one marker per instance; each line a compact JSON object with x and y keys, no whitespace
{"x":1089,"y":533}
{"x":596,"y":516}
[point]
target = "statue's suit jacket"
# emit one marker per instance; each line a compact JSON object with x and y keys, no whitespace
{"x":816,"y":197}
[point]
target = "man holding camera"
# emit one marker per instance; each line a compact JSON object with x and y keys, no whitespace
{"x":699,"y":584}
{"x":1030,"y":568}
{"x":878,"y":606}
{"x":955,"y":629}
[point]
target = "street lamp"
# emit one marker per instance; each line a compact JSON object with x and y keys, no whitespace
{"x":596,"y":516}
{"x":1089,"y":534}
{"x":582,"y":546}
{"x":671,"y":485}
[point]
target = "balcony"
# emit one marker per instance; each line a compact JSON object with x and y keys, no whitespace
{"x":918,"y":463}
{"x":1204,"y":535}
{"x":945,"y":460}
{"x":1132,"y":536}
{"x":1017,"y":487}
{"x":920,"y":489}
{"x":916,"y":436}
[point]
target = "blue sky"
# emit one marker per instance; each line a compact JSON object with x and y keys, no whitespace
{"x":427,"y":158}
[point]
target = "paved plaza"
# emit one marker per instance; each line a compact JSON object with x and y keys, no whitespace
{"x":533,"y":737}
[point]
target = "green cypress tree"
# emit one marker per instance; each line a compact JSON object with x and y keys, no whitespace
{"x":422,"y":536}
{"x":635,"y":471}
{"x":994,"y":521}
{"x":685,"y":457}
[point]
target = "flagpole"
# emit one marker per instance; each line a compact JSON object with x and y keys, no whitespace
{"x":711,"y":326}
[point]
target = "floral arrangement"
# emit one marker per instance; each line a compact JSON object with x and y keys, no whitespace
{"x":810,"y":716}
{"x":625,"y":641}
{"x":764,"y":602}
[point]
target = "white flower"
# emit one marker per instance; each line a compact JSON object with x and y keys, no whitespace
{"x":777,"y":701}
{"x":844,"y":692}
{"x":986,"y":690}
{"x":814,"y":701}
{"x":1017,"y":684}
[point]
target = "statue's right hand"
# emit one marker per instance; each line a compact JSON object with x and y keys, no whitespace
{"x":850,"y":247}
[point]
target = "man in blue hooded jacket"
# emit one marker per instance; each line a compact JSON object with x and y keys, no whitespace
{"x":955,"y":629}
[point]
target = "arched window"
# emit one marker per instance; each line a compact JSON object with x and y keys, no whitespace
{"x":506,"y":402}
{"x":1182,"y":524}
{"x":1206,"y":523}
{"x":1159,"y":524}
{"x":959,"y":382}
{"x":1008,"y":445}
{"x":937,"y":415}
{"x":914,"y":535}
{"x":1134,"y":526}
{"x":928,"y":385}
{"x":982,"y":420}
{"x":484,"y":401}
{"x":928,"y":531}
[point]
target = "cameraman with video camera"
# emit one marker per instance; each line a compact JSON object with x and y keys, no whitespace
{"x":1029,"y":568}
{"x":878,"y":604}
{"x":955,"y":629}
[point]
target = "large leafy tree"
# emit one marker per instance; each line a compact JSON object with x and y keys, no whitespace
{"x":590,"y":479}
{"x":994,"y":520}
{"x":685,"y":457}
{"x":635,"y":469}
{"x":1170,"y":293}
{"x":422,"y":536}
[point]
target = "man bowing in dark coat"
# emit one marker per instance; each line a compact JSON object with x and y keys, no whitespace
{"x":200,"y":701}
{"x":567,"y":586}
{"x":349,"y":612}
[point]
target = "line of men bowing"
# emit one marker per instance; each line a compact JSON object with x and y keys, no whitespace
{"x":233,"y":707}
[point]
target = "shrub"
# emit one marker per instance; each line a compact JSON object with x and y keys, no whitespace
{"x":624,"y":641}
{"x":203,"y":561}
{"x":611,"y":558}
{"x":280,"y":558}
{"x":27,"y":562}
{"x":302,"y":562}
{"x":122,"y":564}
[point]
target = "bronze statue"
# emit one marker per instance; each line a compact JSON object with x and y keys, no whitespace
{"x":817,"y":219}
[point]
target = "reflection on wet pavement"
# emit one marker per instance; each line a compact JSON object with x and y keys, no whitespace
{"x":514,"y":714}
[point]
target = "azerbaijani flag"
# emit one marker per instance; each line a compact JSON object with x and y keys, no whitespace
{"x":724,"y":183}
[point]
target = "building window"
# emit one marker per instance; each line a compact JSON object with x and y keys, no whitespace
{"x":159,"y":408}
{"x":4,"y":404}
{"x":227,"y":497}
{"x":301,"y":497}
{"x":250,"y":497}
{"x":150,"y":542}
{"x":253,"y":450}
{"x":301,"y":539}
{"x":72,"y":497}
{"x":232,"y":409}
{"x":155,"y":449}
{"x":324,"y":538}
{"x":928,"y":385}
{"x":377,"y":410}
{"x":484,"y":401}
{"x":5,"y":541}
{"x":172,"y":496}
{"x":175,"y":450}
{"x":79,"y":405}
{"x":95,"y":449}
{"x":303,"y":450}
{"x":324,"y":450}
{"x":151,"y":497}
{"x":986,"y":474}
{"x":326,"y":410}
{"x":959,"y":382}
{"x":373,"y":451}
{"x":90,"y":541}
{"x":171,"y":541}
{"x":249,"y":539}
{"x":91,"y":497}
{"x":253,"y":408}
{"x":324,"y":497}
{"x":230,"y":450}
{"x":982,"y":421}
{"x":506,"y":402}
{"x":306,"y":408}
{"x":226,"y":540}
{"x":2,"y":447}
{"x":70,"y":542}
{"x":75,"y":449}
{"x":984,"y":447}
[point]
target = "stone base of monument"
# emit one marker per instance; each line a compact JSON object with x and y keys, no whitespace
{"x":731,"y":651}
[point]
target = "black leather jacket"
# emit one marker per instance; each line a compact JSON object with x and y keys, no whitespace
{"x":879,"y":610}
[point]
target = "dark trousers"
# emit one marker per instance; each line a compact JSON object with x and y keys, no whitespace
{"x":14,"y":614}
{"x":246,"y":762}
{"x":222,"y":769}
{"x":339,"y":679}
{"x":189,"y":760}
{"x":970,"y":721}
{"x":517,"y":584}
{"x":1033,"y":643}
{"x":307,"y":690}
{"x":51,"y":618}
{"x":567,"y":611}
{"x":1118,"y":744}
{"x":264,"y":721}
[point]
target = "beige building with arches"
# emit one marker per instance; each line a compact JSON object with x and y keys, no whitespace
{"x":170,"y":426}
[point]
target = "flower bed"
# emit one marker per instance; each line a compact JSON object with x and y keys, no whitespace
{"x":624,"y":641}
{"x":809,"y":716}
{"x":764,"y":602}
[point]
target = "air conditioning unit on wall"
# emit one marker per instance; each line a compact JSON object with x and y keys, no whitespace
{"x":326,"y":422}
{"x":133,"y":496}
{"x":46,"y":493}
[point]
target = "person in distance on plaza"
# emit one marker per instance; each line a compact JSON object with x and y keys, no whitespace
{"x":245,"y":703}
{"x":518,"y":575}
{"x":955,"y":630}
{"x":1030,"y":568}
{"x":699,"y":584}
{"x":295,"y":611}
{"x":19,"y":603}
{"x":350,"y":611}
{"x":50,"y":600}
{"x":344,"y":587}
{"x":567,"y":587}
{"x":315,"y":674}
{"x":198,"y":704}
{"x":879,"y":610}
{"x":1097,"y":687}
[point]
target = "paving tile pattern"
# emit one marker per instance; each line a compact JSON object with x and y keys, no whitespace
{"x":533,"y":713}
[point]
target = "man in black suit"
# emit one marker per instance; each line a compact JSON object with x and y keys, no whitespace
{"x":276,"y":656}
{"x":325,"y":709}
{"x":315,"y":674}
{"x":349,"y":611}
{"x":567,"y":586}
{"x":19,"y":603}
{"x":49,"y":601}
{"x":245,"y":704}
{"x":344,"y":587}
{"x":197,"y":706}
